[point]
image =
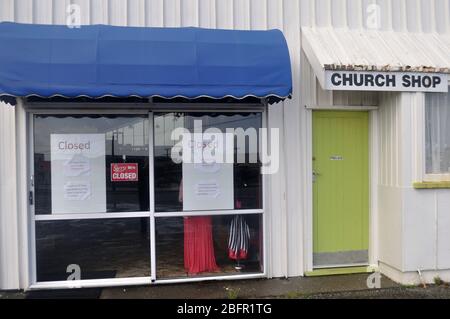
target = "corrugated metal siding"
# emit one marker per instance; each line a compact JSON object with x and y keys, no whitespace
{"x":342,"y":49}
{"x":390,"y":210}
{"x":290,"y":196}
{"x":397,"y":15}
{"x":390,"y":139}
{"x":9,"y":251}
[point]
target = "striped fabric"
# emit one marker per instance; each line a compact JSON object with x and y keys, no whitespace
{"x":239,"y":238}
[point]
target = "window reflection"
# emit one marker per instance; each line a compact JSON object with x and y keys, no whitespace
{"x":247,"y":181}
{"x":102,"y":248}
{"x":126,"y":141}
{"x":208,"y":245}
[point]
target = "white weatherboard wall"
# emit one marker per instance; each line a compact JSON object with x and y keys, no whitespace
{"x":414,"y":223}
{"x":289,"y":207}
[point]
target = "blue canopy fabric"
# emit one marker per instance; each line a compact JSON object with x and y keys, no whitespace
{"x":98,"y":60}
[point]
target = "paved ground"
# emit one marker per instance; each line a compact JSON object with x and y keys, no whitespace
{"x":343,"y":286}
{"x":262,"y":288}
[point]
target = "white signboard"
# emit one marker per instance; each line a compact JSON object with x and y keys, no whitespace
{"x":78,"y":173}
{"x":207,"y":185}
{"x":386,"y":81}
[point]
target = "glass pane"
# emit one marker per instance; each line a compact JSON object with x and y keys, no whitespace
{"x":91,"y":164}
{"x":205,"y":246}
{"x":437,"y":114}
{"x":245,"y":185}
{"x":102,"y":248}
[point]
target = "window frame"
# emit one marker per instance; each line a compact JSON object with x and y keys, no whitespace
{"x":49,"y":108}
{"x":430,"y":177}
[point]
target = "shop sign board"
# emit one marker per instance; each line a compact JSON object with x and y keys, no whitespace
{"x":386,"y":81}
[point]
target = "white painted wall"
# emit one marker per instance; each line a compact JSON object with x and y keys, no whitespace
{"x":9,"y":247}
{"x":414,"y":224}
{"x":390,"y":219}
{"x":290,"y":204}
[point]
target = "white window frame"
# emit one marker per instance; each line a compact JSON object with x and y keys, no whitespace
{"x":135,"y":109}
{"x":429,"y":177}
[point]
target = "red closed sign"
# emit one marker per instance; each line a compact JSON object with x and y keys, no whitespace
{"x":124,"y":172}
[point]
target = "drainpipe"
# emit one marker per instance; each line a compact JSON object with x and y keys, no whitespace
{"x":424,"y":285}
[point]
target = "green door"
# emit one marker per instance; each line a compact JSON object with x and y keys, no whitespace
{"x":341,"y":188}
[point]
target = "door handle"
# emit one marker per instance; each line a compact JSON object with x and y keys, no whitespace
{"x":315,"y":174}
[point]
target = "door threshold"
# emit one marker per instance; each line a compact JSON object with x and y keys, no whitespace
{"x":365,"y":264}
{"x":339,"y":271}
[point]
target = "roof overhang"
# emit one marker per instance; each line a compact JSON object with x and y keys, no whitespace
{"x":378,"y":60}
{"x":97,"y":61}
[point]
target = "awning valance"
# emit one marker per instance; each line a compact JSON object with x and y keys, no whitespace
{"x":97,"y":61}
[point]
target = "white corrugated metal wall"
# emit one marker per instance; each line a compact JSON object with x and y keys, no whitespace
{"x":289,"y":203}
{"x":9,"y":250}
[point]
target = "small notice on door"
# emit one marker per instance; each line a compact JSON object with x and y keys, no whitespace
{"x":124,"y":172}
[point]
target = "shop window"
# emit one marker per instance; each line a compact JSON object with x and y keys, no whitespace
{"x":239,"y":183}
{"x":206,"y":246}
{"x":91,"y":164}
{"x":437,"y":136}
{"x":208,"y":217}
{"x":92,"y":248}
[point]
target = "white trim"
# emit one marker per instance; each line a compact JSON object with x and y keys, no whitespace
{"x":209,"y":213}
{"x":421,"y":123}
{"x":373,"y":194}
{"x":206,"y":108}
{"x":88,"y":109}
{"x":157,"y":95}
{"x":32,"y":215}
{"x":22,"y":193}
{"x":136,"y":108}
{"x":342,"y":265}
{"x":223,"y":277}
{"x":151,"y":214}
{"x":342,"y":107}
{"x":413,"y":277}
{"x":264,"y":188}
{"x":373,"y":187}
{"x":151,"y":182}
{"x":91,"y":283}
{"x":136,"y":281}
{"x":436,"y":177}
{"x":91,"y":216}
{"x":309,"y":196}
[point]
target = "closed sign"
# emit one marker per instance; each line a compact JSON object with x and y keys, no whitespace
{"x":124,"y":172}
{"x":386,"y":81}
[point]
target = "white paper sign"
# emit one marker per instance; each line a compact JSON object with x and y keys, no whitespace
{"x":78,"y":165}
{"x":78,"y":173}
{"x":207,"y":186}
{"x":207,"y":189}
{"x":80,"y":191}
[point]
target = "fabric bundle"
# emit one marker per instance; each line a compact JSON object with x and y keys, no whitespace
{"x":239,"y":239}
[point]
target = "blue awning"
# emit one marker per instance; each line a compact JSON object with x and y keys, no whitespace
{"x":98,"y":60}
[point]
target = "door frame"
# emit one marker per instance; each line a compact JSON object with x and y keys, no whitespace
{"x":373,"y":185}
